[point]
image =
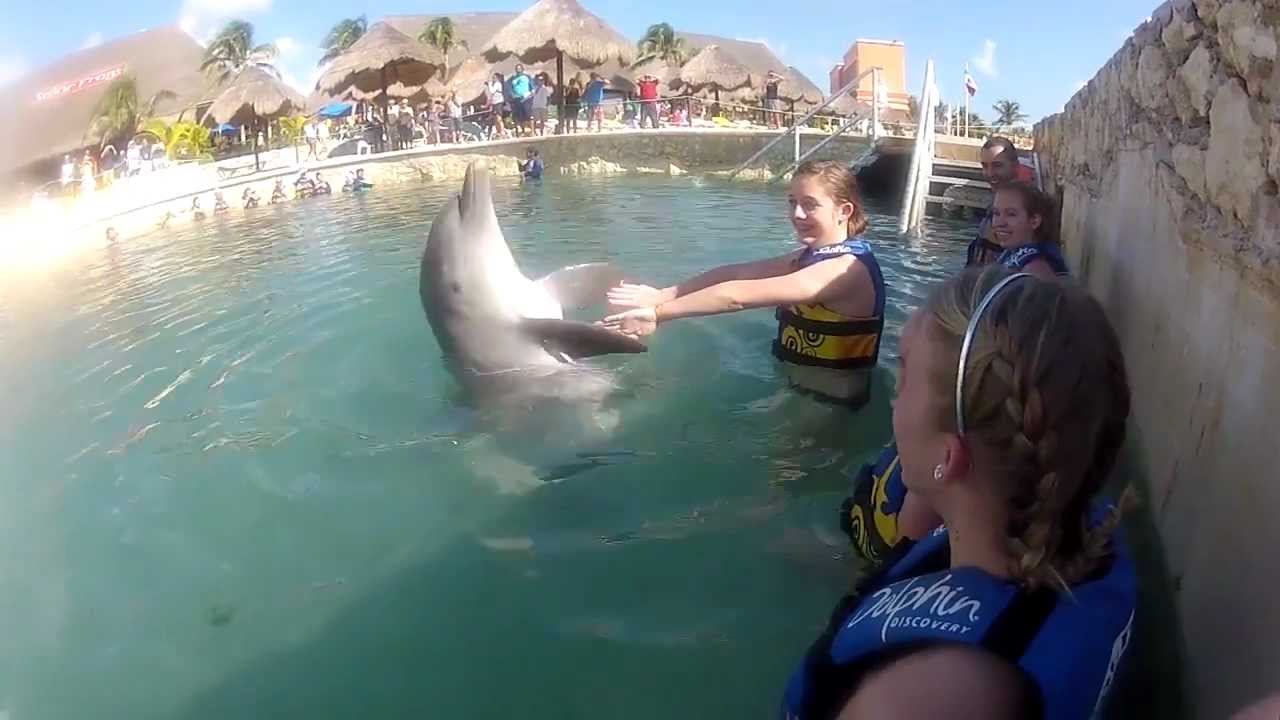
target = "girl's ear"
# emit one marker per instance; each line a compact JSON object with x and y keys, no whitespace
{"x":846,"y":211}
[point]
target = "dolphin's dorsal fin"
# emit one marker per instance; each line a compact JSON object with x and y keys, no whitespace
{"x":579,"y":339}
{"x":579,"y":286}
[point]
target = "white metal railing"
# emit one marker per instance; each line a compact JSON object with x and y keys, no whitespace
{"x":917,"y":188}
{"x":794,"y":130}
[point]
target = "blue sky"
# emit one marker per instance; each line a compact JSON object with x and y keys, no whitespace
{"x":1056,"y":46}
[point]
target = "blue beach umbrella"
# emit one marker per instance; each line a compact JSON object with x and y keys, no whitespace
{"x":335,"y":110}
{"x":227,"y":129}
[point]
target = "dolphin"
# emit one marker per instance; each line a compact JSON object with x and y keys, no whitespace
{"x":498,"y":330}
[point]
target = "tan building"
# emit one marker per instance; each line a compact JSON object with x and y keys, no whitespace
{"x":888,"y":55}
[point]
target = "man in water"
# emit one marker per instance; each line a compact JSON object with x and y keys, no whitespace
{"x":532,"y":167}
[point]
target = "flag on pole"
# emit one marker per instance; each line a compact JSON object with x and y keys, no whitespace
{"x":970,"y":85}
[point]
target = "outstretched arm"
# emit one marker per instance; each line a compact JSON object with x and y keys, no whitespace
{"x":812,"y":284}
{"x":815,"y":283}
{"x":628,"y":295}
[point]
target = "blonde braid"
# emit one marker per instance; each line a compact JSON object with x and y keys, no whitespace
{"x":1046,"y":390}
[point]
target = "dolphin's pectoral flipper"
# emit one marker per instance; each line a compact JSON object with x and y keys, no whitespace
{"x":579,"y":339}
{"x":578,"y":286}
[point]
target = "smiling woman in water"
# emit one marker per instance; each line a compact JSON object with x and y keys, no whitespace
{"x":1012,"y":405}
{"x":829,"y":294}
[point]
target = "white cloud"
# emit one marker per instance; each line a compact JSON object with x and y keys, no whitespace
{"x":11,"y":68}
{"x":201,"y":19}
{"x":986,"y":61}
{"x":94,"y":40}
{"x":286,"y":46}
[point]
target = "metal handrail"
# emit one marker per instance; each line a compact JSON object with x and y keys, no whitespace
{"x":795,"y":127}
{"x":848,"y":125}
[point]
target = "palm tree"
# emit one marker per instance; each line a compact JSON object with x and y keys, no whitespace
{"x":440,"y":34}
{"x":660,"y":42}
{"x":232,"y":50}
{"x":341,"y":37}
{"x":181,"y":140}
{"x":292,"y":128}
{"x":1008,"y":112}
{"x":119,"y":113}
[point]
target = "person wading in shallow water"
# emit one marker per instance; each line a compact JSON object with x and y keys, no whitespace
{"x":829,"y":295}
{"x":1012,"y":405}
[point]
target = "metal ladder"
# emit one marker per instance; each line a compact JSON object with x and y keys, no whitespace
{"x":794,"y":130}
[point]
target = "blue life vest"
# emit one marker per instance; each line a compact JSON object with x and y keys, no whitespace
{"x":869,"y":516}
{"x":814,"y":334}
{"x":982,"y":249}
{"x":1019,"y":257}
{"x":1070,"y":644}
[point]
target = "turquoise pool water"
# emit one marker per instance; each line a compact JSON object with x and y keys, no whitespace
{"x":237,"y":481}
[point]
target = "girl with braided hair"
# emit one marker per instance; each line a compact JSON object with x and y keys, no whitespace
{"x":1011,"y":410}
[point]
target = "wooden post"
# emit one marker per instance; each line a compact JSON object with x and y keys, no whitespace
{"x":256,"y":165}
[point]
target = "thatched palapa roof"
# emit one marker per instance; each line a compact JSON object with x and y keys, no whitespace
{"x":759,"y":60}
{"x":255,"y":92}
{"x":715,"y":69}
{"x":41,"y":127}
{"x":797,"y":88}
{"x":553,"y":26}
{"x":404,"y":59}
{"x":756,"y":56}
{"x":475,"y":29}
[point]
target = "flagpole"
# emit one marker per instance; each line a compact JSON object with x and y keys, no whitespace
{"x":966,"y":100}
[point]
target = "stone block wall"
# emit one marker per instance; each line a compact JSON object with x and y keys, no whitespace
{"x":1166,"y":166}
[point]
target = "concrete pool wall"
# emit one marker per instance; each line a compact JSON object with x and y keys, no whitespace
{"x":1166,"y":166}
{"x":140,"y":205}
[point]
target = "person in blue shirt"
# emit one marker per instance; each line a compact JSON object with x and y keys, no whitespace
{"x":593,"y":96}
{"x":532,"y":167}
{"x":520,"y":88}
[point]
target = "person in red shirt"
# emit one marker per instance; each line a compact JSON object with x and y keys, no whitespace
{"x":648,"y":85}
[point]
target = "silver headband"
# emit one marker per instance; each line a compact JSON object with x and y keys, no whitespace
{"x":968,"y":341}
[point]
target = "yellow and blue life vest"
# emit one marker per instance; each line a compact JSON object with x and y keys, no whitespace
{"x":1021,"y":256}
{"x":1070,"y":645}
{"x":813,"y":334}
{"x":869,"y":516}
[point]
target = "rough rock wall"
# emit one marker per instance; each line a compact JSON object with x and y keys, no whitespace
{"x":1166,"y":166}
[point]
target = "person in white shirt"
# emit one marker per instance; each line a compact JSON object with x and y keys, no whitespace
{"x":541,"y":97}
{"x":311,"y":131}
